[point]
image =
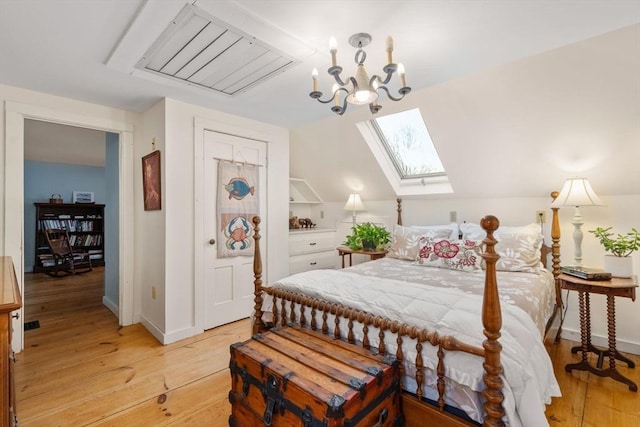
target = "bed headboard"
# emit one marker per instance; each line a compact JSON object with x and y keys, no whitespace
{"x":545,"y":250}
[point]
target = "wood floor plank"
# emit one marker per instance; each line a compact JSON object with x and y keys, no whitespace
{"x":567,"y":410}
{"x":178,"y":406}
{"x":172,"y":369}
{"x":616,"y":405}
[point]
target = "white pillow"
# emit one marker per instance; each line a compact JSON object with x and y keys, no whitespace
{"x":405,"y":241}
{"x":518,"y":247}
{"x":452,"y":228}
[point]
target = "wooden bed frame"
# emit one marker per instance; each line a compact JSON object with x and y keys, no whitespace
{"x":416,"y":411}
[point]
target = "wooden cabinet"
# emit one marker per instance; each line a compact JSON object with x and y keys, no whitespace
{"x":83,"y":222}
{"x":10,"y":300}
{"x":310,"y":249}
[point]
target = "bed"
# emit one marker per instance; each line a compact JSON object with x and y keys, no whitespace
{"x":469,"y":355}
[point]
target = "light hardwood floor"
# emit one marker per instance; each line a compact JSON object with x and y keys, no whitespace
{"x":79,"y":368}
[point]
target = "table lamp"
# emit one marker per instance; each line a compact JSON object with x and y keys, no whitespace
{"x":354,"y":203}
{"x":577,"y":192}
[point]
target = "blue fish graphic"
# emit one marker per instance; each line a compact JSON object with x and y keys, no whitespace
{"x":238,"y":188}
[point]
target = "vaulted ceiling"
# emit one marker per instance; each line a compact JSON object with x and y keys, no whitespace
{"x":91,"y":50}
{"x":547,"y":89}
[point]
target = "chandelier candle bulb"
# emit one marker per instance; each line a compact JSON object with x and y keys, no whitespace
{"x":403,"y":82}
{"x":333,"y":48}
{"x":389,"y":50}
{"x":314,"y":76}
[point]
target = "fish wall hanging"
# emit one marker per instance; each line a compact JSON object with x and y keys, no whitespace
{"x":237,"y":203}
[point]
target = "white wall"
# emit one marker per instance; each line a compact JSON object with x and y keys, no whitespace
{"x":516,"y":130}
{"x":177,"y":231}
{"x":150,"y":229}
{"x":621,"y":212}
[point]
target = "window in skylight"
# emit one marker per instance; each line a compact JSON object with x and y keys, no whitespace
{"x":407,"y":142}
{"x":403,"y":148}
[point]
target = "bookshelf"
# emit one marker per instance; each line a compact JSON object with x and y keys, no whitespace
{"x":83,"y":221}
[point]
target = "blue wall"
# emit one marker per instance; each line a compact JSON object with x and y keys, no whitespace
{"x":42,"y":179}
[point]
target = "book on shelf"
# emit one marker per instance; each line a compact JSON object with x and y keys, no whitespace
{"x":585,"y":273}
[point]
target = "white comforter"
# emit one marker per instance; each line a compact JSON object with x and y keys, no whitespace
{"x":528,"y":373}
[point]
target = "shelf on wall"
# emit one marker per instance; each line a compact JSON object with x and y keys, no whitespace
{"x":301,"y":192}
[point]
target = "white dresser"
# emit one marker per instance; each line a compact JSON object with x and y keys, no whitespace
{"x":310,"y":249}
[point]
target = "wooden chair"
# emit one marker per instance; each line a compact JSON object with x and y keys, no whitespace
{"x":66,"y":258}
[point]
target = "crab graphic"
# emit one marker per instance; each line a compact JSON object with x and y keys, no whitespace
{"x":238,"y":233}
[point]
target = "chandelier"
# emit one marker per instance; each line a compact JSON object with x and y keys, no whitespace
{"x":360,"y":89}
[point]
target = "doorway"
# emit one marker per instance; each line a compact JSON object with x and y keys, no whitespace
{"x":228,"y":281}
{"x":101,"y":119}
{"x":60,"y":161}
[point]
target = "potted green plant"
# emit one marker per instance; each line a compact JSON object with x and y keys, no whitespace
{"x":368,"y":236}
{"x":619,"y":263}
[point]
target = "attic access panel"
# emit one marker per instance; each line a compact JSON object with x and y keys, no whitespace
{"x":200,"y":50}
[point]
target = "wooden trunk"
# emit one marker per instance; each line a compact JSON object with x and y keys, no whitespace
{"x":296,"y":377}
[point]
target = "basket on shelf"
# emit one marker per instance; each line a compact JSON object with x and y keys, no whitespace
{"x":55,"y":199}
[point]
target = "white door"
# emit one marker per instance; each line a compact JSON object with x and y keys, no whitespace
{"x":228,"y":282}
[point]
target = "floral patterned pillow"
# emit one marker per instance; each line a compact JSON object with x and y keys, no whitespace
{"x":518,"y":247}
{"x":463,"y":255}
{"x":405,"y":242}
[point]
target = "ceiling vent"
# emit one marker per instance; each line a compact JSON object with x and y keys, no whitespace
{"x":201,"y":50}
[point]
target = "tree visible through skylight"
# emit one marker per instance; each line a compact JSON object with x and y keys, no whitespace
{"x":407,"y":141}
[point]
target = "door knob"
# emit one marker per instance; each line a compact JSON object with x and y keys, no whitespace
{"x":212,"y":241}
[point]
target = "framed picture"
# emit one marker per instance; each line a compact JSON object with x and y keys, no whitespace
{"x":83,"y":197}
{"x":151,"y":185}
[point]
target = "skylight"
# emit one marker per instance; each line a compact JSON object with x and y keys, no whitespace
{"x":407,"y":142}
{"x":404,"y":150}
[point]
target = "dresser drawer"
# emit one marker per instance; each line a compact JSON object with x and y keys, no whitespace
{"x":305,"y":243}
{"x":300,"y":263}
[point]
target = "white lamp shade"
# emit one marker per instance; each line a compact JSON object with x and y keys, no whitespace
{"x":354,"y":203}
{"x":577,"y":192}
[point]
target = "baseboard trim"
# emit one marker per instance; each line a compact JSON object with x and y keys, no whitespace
{"x":153,"y":329}
{"x":600,"y":341}
{"x":111,"y":306}
{"x":181,"y":334}
{"x":168,"y":338}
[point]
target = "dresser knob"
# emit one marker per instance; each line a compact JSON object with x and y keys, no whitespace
{"x":16,"y":315}
{"x":212,"y":241}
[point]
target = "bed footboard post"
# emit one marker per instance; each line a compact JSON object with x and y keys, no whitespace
{"x":258,"y":325}
{"x":492,"y":322}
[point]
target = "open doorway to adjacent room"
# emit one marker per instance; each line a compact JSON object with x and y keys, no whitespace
{"x":71,"y":181}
